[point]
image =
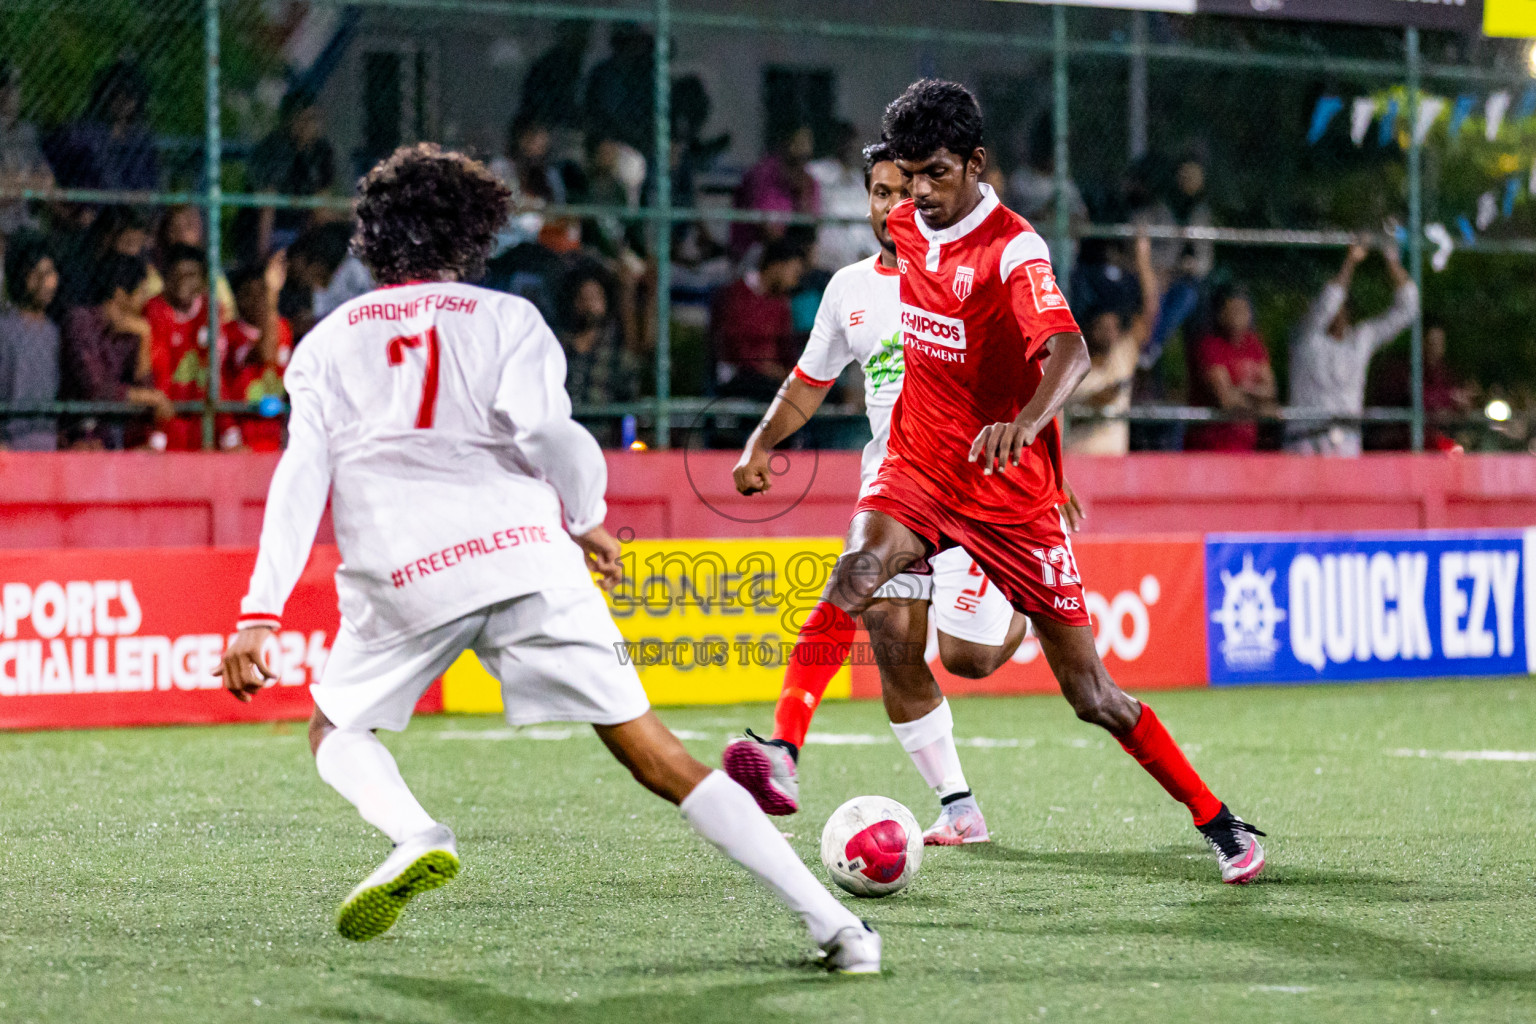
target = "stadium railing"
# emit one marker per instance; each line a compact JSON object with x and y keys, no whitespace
{"x":663,"y":412}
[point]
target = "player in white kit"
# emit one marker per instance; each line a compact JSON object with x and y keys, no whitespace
{"x":468,"y":507}
{"x":977,"y":629}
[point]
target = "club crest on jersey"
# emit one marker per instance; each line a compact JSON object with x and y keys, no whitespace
{"x":1042,"y":280}
{"x":965,"y":277}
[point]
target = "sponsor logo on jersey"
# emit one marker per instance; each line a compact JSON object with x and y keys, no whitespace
{"x":856,"y":318}
{"x":1068,"y":604}
{"x":901,"y":264}
{"x":923,"y":328}
{"x":965,"y":278}
{"x":887,"y":364}
{"x":1042,"y":281}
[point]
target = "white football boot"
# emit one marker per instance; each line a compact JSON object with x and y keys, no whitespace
{"x":1238,"y":853}
{"x":960,"y":822}
{"x":766,"y":769}
{"x":423,"y":862}
{"x":853,"y":950}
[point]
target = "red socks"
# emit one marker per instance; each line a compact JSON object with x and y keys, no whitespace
{"x":821,"y":650}
{"x":1151,"y":745}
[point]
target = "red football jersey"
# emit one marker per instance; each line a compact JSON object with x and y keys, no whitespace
{"x":978,"y":303}
{"x":179,"y":354}
{"x":248,"y":380}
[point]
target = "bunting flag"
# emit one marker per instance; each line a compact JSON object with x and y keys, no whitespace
{"x":1511,"y":193}
{"x":1388,"y":123}
{"x":1444,"y":246}
{"x":1361,"y":114}
{"x":1527,"y":105}
{"x":1494,"y":109}
{"x":1465,"y":227}
{"x":1430,"y":109}
{"x":1460,"y":113}
{"x":1323,"y":114}
{"x":1487,"y":210}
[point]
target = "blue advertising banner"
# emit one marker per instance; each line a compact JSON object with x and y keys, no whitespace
{"x":1315,"y":607}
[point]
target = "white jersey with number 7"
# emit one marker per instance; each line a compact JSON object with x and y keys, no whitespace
{"x":435,"y":417}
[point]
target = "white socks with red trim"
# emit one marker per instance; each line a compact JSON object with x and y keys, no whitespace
{"x":725,"y":814}
{"x":930,"y":741}
{"x":359,"y":767}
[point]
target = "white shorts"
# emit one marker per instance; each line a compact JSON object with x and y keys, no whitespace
{"x":554,"y":653}
{"x":965,"y":603}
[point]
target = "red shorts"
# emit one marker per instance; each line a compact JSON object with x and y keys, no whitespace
{"x":1031,"y":563}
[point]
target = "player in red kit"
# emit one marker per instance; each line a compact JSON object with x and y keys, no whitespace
{"x":974,"y":459}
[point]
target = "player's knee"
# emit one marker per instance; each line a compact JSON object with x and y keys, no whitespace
{"x":319,"y":728}
{"x":970,"y":661}
{"x":854,"y":581}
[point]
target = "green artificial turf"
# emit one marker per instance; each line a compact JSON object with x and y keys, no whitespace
{"x":193,"y":875}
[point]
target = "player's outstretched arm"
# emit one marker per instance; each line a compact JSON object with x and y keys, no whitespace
{"x":1063,"y":368}
{"x":794,"y":405}
{"x":295,"y":503}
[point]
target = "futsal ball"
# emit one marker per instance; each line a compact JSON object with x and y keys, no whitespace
{"x":872,"y":846}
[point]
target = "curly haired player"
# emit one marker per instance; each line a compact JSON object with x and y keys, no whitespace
{"x":468,"y":507}
{"x":974,"y":459}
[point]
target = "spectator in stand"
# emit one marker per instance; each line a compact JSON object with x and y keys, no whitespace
{"x":22,"y":164}
{"x":110,"y":146}
{"x":322,"y":274}
{"x":599,"y":365}
{"x":106,"y":356}
{"x":840,"y":182}
{"x":29,"y":343}
{"x":619,"y":102}
{"x":178,"y":323}
{"x":294,"y":160}
{"x":115,"y":231}
{"x":258,"y":343}
{"x":1230,"y":371}
{"x":1446,"y":396}
{"x":535,"y":181}
{"x":1158,"y":199}
{"x":1032,"y":188}
{"x":1330,"y":355}
{"x":553,"y":81}
{"x":1115,"y":338}
{"x":182,"y":226}
{"x":778,"y":183}
{"x":616,"y":175}
{"x":752,"y":327}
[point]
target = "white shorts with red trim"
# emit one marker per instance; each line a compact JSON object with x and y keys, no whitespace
{"x":555,"y":653}
{"x":965,"y":603}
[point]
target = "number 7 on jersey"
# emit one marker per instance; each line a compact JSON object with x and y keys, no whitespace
{"x":396,"y":352}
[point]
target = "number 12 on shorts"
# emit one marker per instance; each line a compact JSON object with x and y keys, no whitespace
{"x":1057,"y":567}
{"x":396,"y":351}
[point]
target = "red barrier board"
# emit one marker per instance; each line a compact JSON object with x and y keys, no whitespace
{"x":131,"y":637}
{"x":1147,"y":599}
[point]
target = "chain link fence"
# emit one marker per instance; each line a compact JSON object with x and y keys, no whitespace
{"x":1249,"y":156}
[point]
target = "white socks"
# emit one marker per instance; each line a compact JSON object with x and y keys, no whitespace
{"x":930,"y":741}
{"x":359,"y":767}
{"x":725,"y":814}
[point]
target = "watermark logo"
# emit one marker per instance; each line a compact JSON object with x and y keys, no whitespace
{"x":791,"y":472}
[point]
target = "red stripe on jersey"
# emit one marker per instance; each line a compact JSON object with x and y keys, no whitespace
{"x":812,"y":381}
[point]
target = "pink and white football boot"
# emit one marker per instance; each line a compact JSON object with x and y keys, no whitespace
{"x":960,"y":822}
{"x":767,"y":770}
{"x":1238,"y":853}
